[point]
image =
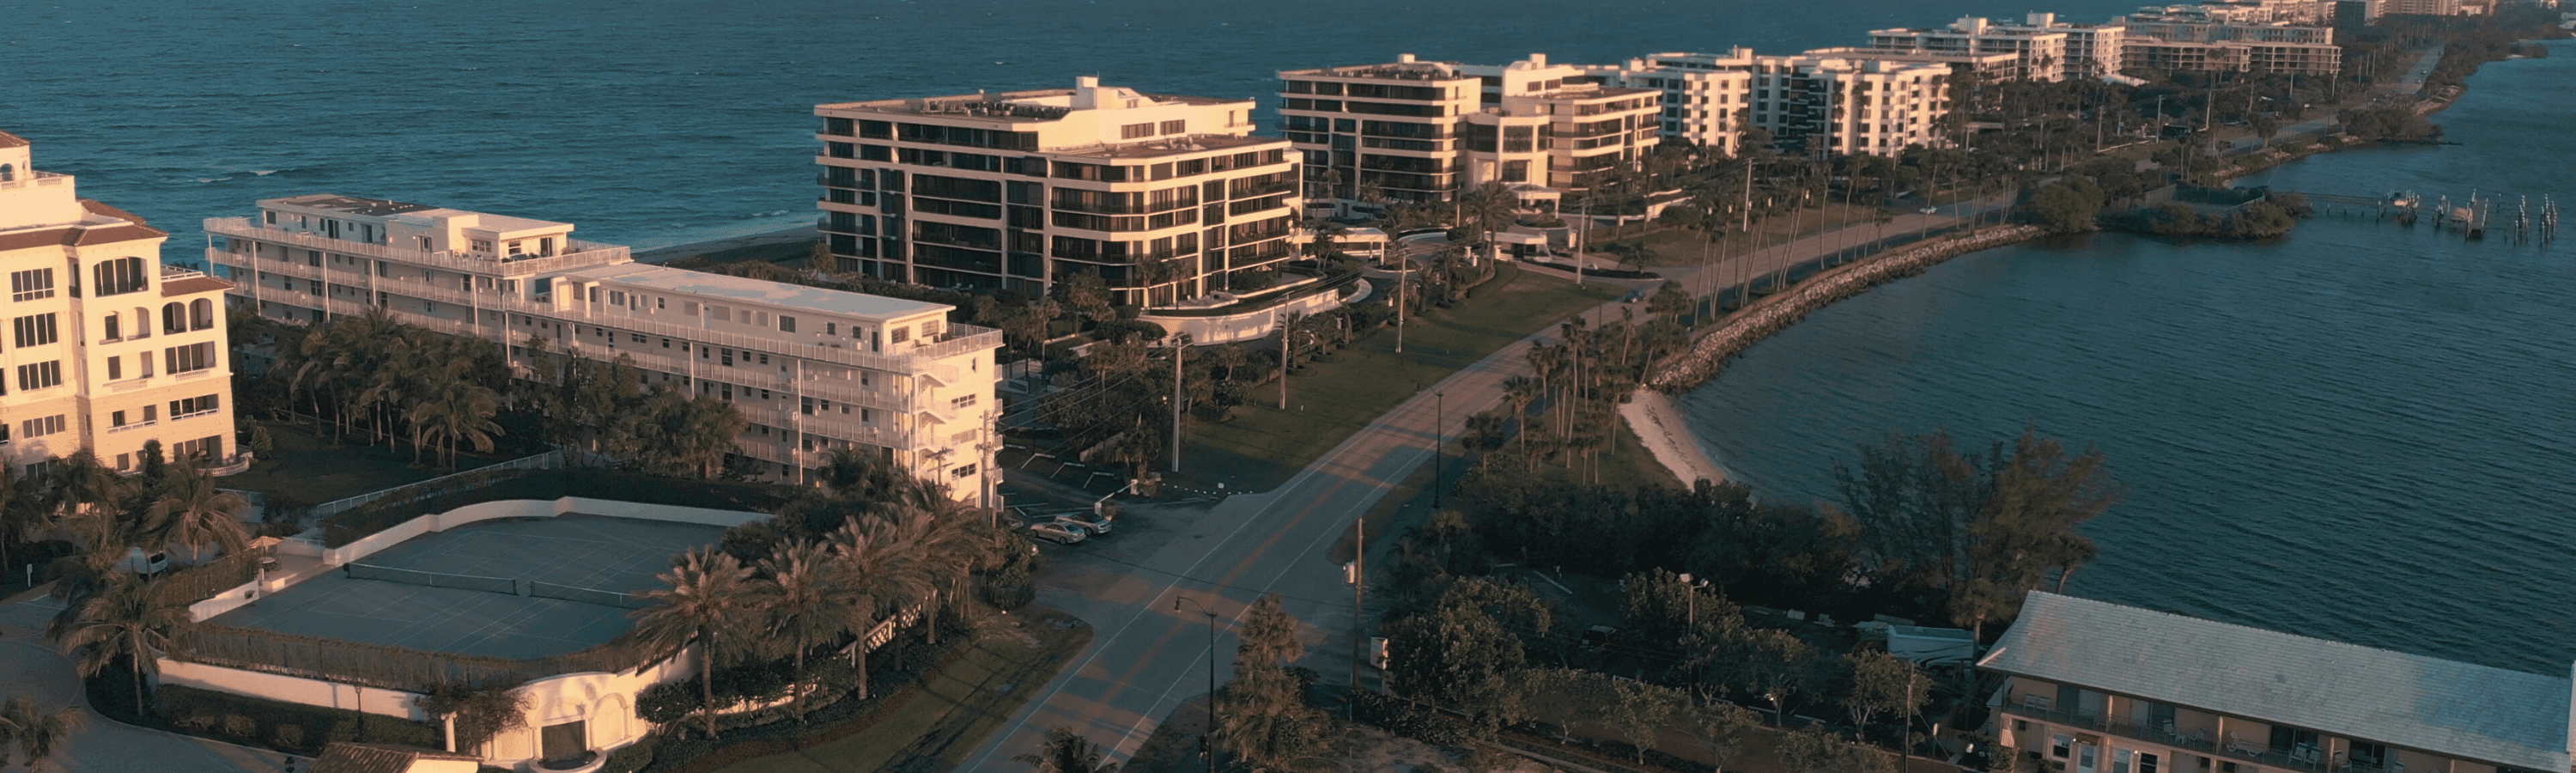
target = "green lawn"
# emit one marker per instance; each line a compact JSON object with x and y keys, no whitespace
{"x":303,"y":460}
{"x":951,"y":711}
{"x":1331,"y":398}
{"x":1682,"y":246}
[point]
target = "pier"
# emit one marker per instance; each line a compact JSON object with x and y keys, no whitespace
{"x":2474,"y":217}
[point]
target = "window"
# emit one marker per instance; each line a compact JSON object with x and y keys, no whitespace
{"x":189,"y":359}
{"x":2058,"y":745}
{"x":964,"y":472}
{"x":118,"y":276}
{"x":116,"y":419}
{"x":962,"y":402}
{"x":39,"y":375}
{"x":786,"y":324}
{"x":200,"y":448}
{"x":1175,"y":127}
{"x":33,"y":330}
{"x":31,"y":284}
{"x":1135,"y":131}
{"x":180,"y":409}
{"x":174,"y":317}
{"x":40,"y":427}
{"x":115,"y":368}
{"x":900,"y":335}
{"x":201,"y":312}
{"x":111,"y":328}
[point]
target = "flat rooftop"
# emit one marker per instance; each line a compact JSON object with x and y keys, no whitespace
{"x":1031,"y":106}
{"x":712,"y":286}
{"x":359,"y":205}
{"x":615,"y":555}
{"x":1173,"y":146}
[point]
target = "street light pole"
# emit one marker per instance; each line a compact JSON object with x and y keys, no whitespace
{"x":1439,"y":442}
{"x":1207,"y":738}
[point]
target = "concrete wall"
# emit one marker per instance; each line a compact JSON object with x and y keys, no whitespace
{"x":515,"y":508}
{"x":1245,"y":326}
{"x":291,"y":689}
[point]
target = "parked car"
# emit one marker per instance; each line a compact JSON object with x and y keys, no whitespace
{"x":1058,"y":533}
{"x":1097,"y":525}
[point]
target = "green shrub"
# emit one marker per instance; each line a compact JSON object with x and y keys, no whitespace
{"x":287,"y":736}
{"x":666,"y":703}
{"x":631,"y":758}
{"x":239,"y":726}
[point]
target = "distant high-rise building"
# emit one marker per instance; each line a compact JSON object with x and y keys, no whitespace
{"x":107,"y":350}
{"x":1820,"y":102}
{"x":1166,"y":197}
{"x":1417,"y":131}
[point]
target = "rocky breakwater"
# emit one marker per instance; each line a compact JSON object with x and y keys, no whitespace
{"x":1708,"y":357}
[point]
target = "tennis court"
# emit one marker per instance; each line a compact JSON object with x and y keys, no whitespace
{"x":612,"y":555}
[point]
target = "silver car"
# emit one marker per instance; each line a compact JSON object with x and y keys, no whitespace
{"x":1095,"y":525}
{"x":1057,"y":533}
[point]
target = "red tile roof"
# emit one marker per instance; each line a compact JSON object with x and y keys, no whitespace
{"x":50,"y":237}
{"x":346,"y":757}
{"x":193,"y":285}
{"x":8,"y":140}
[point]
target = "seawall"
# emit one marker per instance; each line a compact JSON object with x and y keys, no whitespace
{"x":1708,"y":356}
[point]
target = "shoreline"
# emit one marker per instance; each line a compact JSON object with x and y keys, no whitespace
{"x":802,"y":233}
{"x":1657,"y":422}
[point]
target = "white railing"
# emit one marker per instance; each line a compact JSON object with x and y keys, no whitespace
{"x":170,"y":272}
{"x":428,"y":488}
{"x":36,"y":179}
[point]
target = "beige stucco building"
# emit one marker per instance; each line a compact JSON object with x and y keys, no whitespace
{"x":1167,"y":197}
{"x":107,"y":349}
{"x":1849,"y":101}
{"x":811,"y":369}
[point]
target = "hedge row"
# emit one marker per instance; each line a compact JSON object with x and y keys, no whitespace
{"x":588,"y":482}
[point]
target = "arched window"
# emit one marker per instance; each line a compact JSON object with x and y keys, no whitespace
{"x":142,"y":322}
{"x":174,"y":318}
{"x":8,"y":172}
{"x":118,"y":276}
{"x":201,"y":314}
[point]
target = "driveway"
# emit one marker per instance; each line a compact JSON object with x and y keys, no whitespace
{"x":31,"y":667}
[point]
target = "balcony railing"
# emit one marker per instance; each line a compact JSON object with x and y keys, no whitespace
{"x":2197,"y":740}
{"x":36,"y":179}
{"x":577,"y":254}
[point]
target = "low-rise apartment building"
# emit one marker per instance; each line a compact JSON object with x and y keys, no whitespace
{"x":1166,"y":197}
{"x":1422,"y":131}
{"x":2422,"y":7}
{"x":107,"y":350}
{"x":2102,"y":688}
{"x":2042,"y":51}
{"x":812,"y":369}
{"x":1858,"y":104}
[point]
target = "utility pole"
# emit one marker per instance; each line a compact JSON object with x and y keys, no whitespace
{"x":1402,"y":263}
{"x":1439,"y":442}
{"x":1359,"y":604}
{"x":1180,"y":345}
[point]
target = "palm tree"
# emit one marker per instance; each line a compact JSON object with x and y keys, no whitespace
{"x":19,"y":511}
{"x":1065,"y":752}
{"x":196,"y":514}
{"x":455,"y":409}
{"x":37,"y":733}
{"x":125,"y":620}
{"x":883,"y":568}
{"x":707,"y":603}
{"x":806,"y":601}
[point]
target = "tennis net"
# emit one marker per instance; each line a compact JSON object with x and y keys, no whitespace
{"x":504,"y":585}
{"x":548,"y":590}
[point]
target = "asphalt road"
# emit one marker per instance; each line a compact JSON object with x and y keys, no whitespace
{"x":1149,"y":657}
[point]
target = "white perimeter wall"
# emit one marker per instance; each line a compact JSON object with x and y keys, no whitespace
{"x":603,"y":702}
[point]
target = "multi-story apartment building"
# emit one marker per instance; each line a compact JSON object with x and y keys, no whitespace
{"x":2205,"y":24}
{"x":2042,"y":50}
{"x":2422,"y":7}
{"x":107,"y":350}
{"x":1860,"y":104}
{"x":811,"y":369}
{"x":1166,"y":197}
{"x":1427,"y":131}
{"x":2100,"y":688}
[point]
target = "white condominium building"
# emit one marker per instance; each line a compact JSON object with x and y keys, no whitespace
{"x":106,"y":349}
{"x":1829,"y":104}
{"x":811,"y":369}
{"x":2423,"y":7}
{"x":2043,"y":50}
{"x":2200,"y":24}
{"x":1426,"y":131}
{"x":1166,"y":197}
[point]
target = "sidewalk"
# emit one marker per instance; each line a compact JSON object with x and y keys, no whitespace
{"x":32,"y":668}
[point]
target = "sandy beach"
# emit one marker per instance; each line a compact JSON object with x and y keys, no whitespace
{"x":1658,"y":424}
{"x":798,"y":234}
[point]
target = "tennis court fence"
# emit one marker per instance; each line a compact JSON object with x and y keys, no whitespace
{"x":508,"y":586}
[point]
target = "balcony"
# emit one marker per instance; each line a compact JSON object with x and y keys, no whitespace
{"x":36,"y":179}
{"x":577,"y":254}
{"x":2304,"y":758}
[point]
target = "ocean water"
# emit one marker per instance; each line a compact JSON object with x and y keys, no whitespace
{"x":2360,"y":432}
{"x":659,"y":123}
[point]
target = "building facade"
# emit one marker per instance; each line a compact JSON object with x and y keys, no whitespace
{"x":1417,"y":131}
{"x":2041,"y":51}
{"x":811,"y":369}
{"x":2421,"y":7}
{"x":1166,"y":197}
{"x":107,"y":350}
{"x":2094,"y":687}
{"x":1859,"y":104}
